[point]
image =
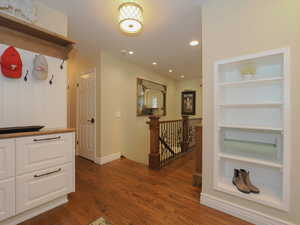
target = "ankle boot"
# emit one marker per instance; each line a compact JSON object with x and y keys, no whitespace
{"x":246,"y":177}
{"x":238,"y":181}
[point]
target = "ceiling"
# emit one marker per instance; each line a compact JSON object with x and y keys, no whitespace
{"x":169,"y":26}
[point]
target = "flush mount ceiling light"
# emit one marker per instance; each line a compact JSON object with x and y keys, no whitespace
{"x":194,"y":43}
{"x":154,"y":63}
{"x":182,"y":76}
{"x":170,"y":71}
{"x":131,"y":18}
{"x":131,"y":52}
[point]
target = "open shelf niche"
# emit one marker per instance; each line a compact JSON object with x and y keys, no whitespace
{"x":251,"y":131}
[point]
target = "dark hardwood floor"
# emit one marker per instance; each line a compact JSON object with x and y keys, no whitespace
{"x":127,"y":193}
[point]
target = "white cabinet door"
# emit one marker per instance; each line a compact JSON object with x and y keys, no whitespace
{"x":7,"y":198}
{"x":40,"y":187}
{"x":7,"y":158}
{"x":41,"y":152}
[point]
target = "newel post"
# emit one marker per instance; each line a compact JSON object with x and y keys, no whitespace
{"x":185,"y":133}
{"x":154,"y":156}
{"x":197,"y":177}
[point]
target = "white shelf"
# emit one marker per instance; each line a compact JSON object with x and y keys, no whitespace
{"x":263,"y":198}
{"x":249,"y":160}
{"x":274,"y":104}
{"x":250,"y":127}
{"x":245,"y":82}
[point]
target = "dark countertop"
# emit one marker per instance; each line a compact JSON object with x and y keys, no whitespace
{"x":36,"y":133}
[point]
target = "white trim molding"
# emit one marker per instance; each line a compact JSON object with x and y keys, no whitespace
{"x":109,"y":158}
{"x":35,"y":212}
{"x":241,"y":212}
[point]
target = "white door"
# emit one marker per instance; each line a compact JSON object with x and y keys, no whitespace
{"x":87,"y":115}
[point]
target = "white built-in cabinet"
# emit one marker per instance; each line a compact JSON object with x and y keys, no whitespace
{"x":252,"y":125}
{"x":7,"y":159}
{"x":45,"y":171}
{"x":7,"y":198}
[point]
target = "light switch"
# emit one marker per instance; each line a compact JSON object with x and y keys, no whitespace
{"x":118,"y":114}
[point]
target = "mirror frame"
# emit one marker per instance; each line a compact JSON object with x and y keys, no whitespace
{"x":164,"y":92}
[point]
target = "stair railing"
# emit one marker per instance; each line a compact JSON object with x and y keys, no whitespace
{"x":170,"y":139}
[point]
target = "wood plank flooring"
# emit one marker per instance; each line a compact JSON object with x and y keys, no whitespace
{"x":128,"y":193}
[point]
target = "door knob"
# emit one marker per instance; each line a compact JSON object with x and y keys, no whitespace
{"x":92,"y":120}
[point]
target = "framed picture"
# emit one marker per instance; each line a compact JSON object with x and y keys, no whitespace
{"x":188,"y":103}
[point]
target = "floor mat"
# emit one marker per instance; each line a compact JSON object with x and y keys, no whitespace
{"x":101,"y":221}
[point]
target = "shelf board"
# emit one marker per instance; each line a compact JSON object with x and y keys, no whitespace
{"x":274,"y":104}
{"x":262,"y":198}
{"x":25,"y":35}
{"x":238,"y":83}
{"x":250,"y":127}
{"x":249,"y":160}
{"x":33,"y":30}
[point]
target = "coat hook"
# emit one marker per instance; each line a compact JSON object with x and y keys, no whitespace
{"x":25,"y":78}
{"x":51,"y":80}
{"x":62,"y":65}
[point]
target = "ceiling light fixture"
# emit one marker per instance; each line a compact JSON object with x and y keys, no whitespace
{"x":131,"y":18}
{"x":154,"y":63}
{"x":170,"y":71}
{"x":194,"y":43}
{"x":182,"y":76}
{"x":130,"y":52}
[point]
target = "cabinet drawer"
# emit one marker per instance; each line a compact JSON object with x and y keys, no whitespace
{"x":43,"y":186}
{"x":7,"y":198}
{"x":7,"y":158}
{"x":41,"y":152}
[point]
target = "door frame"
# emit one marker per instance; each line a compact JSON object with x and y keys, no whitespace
{"x":77,"y":113}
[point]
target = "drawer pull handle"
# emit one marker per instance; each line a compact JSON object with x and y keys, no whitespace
{"x":47,"y":139}
{"x":46,"y":174}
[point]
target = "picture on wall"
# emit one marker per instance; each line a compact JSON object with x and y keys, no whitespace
{"x":188,"y":103}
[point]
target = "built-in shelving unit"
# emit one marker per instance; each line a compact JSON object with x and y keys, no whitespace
{"x":252,"y":130}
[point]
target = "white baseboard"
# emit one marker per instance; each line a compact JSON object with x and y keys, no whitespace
{"x":238,"y":211}
{"x":35,"y":212}
{"x":108,"y":158}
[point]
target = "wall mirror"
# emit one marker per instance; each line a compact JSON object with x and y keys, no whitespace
{"x":151,"y":98}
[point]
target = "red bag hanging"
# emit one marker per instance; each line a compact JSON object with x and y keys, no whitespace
{"x":11,"y":63}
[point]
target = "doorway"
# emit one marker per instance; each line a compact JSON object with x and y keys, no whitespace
{"x":86,"y":115}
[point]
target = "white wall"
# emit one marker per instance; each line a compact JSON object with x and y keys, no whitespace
{"x":36,"y":102}
{"x":232,"y":28}
{"x":51,"y":19}
{"x":129,"y":133}
{"x":33,"y":102}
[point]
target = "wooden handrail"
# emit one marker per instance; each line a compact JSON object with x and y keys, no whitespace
{"x":200,"y":118}
{"x":170,"y":121}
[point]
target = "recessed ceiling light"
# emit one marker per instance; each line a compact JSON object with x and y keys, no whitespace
{"x":181,"y":76}
{"x":154,"y":63}
{"x":170,"y":71}
{"x":194,"y":43}
{"x":130,"y":52}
